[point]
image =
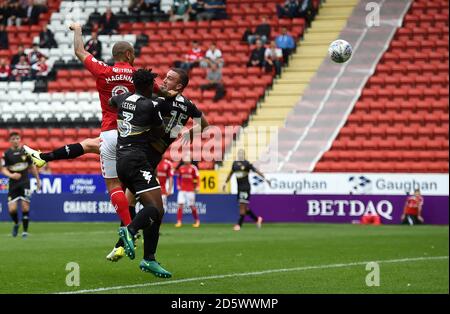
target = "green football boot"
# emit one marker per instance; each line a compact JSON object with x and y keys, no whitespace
{"x":154,"y":268}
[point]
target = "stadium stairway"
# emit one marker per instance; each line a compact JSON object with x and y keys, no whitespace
{"x":288,"y":89}
{"x":400,"y":122}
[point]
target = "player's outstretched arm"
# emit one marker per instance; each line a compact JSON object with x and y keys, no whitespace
{"x":261,"y":175}
{"x":78,"y":44}
{"x":196,"y":129}
{"x":226,"y":180}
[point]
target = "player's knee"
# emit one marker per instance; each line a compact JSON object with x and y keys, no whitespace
{"x":91,"y":145}
{"x":112,"y":183}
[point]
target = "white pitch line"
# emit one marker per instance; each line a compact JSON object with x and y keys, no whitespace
{"x":256,"y":273}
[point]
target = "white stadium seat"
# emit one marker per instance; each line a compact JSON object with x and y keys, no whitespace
{"x":28,"y":86}
{"x":71,"y":96}
{"x":58,"y":97}
{"x":44,"y":97}
{"x":84,"y":96}
{"x":14,"y":86}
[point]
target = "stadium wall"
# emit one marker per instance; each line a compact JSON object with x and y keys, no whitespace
{"x":84,"y":198}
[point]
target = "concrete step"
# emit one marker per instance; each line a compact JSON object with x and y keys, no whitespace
{"x":298,"y":75}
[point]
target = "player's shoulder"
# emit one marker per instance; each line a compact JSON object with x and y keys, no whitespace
{"x":9,"y":152}
{"x":184,"y":100}
{"x":91,"y":60}
{"x":121,"y":97}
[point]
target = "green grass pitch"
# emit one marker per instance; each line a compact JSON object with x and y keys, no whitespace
{"x":279,"y":258}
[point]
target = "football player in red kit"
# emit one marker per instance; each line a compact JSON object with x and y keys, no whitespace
{"x":412,"y":213}
{"x":187,"y":184}
{"x":165,"y":175}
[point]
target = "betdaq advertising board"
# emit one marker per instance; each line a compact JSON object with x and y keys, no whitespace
{"x":325,"y":198}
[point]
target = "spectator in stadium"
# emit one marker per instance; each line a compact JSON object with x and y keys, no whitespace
{"x":20,"y":52}
{"x":248,"y":32}
{"x":14,"y":13}
{"x":214,"y":78}
{"x":213,"y":10}
{"x":180,"y":11}
{"x":5,"y":70}
{"x":257,"y":55}
{"x":193,"y":57}
{"x":307,"y":11}
{"x":290,"y":9}
{"x":412,"y":212}
{"x":262,"y":32}
{"x":135,"y":5}
{"x":34,"y":55}
{"x":47,"y":38}
{"x":4,"y":12}
{"x":21,"y":71}
{"x":32,"y":13}
{"x":39,"y":69}
{"x":197,"y":8}
{"x":213,"y":56}
{"x":4,"y":42}
{"x":94,"y":46}
{"x":108,"y":23}
{"x":287,"y":44}
{"x":273,"y":58}
{"x":150,"y":5}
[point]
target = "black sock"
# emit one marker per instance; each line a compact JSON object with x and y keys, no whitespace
{"x":252,"y":215}
{"x":70,"y":151}
{"x":241,"y":220}
{"x":132,"y":210}
{"x":25,"y":222}
{"x":120,"y":242}
{"x":14,"y":217}
{"x":151,"y":237}
{"x":144,"y":218}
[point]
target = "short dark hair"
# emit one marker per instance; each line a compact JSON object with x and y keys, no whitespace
{"x":14,"y":133}
{"x":143,"y":79}
{"x":184,"y":76}
{"x":120,"y":48}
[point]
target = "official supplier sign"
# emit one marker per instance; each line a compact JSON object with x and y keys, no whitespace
{"x":347,"y":183}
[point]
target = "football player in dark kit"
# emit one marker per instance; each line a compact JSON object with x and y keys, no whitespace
{"x":241,"y":169}
{"x":143,"y":139}
{"x":15,"y":164}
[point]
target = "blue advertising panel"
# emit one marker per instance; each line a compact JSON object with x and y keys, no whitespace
{"x":84,"y":198}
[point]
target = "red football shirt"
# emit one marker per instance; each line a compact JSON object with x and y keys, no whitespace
{"x":164,"y":172}
{"x":413,"y":203}
{"x":194,"y":55}
{"x":187,"y":178}
{"x":111,"y":81}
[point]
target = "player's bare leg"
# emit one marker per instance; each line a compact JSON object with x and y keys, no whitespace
{"x":195,"y":215}
{"x":25,"y":217}
{"x":12,"y":209}
{"x":243,"y":207}
{"x":179,"y":216}
{"x":69,"y":151}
